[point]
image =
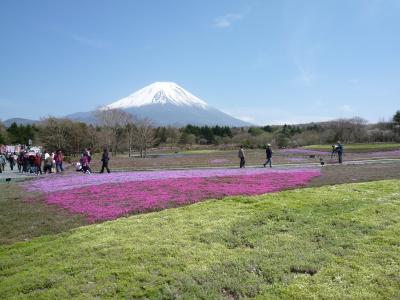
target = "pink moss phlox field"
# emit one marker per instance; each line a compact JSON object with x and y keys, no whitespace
{"x":74,"y":180}
{"x":111,"y":200}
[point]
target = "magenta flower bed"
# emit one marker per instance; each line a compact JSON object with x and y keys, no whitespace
{"x":75,"y":180}
{"x":109,"y":201}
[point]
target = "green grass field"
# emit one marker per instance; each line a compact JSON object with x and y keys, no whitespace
{"x":334,"y":242}
{"x":358,"y":147}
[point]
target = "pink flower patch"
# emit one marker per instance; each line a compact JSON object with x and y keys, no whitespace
{"x":107,"y":201}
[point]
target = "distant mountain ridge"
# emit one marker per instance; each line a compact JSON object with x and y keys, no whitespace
{"x":19,"y":121}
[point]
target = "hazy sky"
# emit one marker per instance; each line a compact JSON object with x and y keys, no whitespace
{"x":268,"y":62}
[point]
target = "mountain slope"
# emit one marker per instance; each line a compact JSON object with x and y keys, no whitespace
{"x":159,"y":93}
{"x":166,"y":103}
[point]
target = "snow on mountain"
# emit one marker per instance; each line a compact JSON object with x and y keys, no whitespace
{"x":159,"y":93}
{"x":166,"y":103}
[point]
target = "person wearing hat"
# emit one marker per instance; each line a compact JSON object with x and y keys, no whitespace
{"x":268,"y":153}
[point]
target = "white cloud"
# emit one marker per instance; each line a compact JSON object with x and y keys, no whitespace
{"x":278,"y":116}
{"x":248,"y":119}
{"x":227,"y":20}
{"x":346,"y":108}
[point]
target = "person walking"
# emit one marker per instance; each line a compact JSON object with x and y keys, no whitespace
{"x":38,"y":164}
{"x":85,"y":163}
{"x":59,"y":158}
{"x":48,"y":163}
{"x":242,"y":157}
{"x":268,"y":153}
{"x":339,"y":150}
{"x":25,"y":162}
{"x":104,"y":159}
{"x":11,"y":161}
{"x":31,"y":163}
{"x":20,"y":161}
{"x":2,"y":162}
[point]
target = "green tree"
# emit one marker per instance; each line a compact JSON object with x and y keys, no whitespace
{"x":3,"y":134}
{"x":396,"y":117}
{"x":20,"y":134}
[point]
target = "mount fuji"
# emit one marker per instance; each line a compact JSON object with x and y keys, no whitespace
{"x":166,"y":103}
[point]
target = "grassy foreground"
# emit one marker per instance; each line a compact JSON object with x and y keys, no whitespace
{"x":358,"y":147}
{"x":336,"y":242}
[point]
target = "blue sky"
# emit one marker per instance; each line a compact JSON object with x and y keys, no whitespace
{"x":268,"y":62}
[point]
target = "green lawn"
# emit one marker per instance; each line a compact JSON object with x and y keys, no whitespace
{"x":333,"y":242}
{"x":358,"y":147}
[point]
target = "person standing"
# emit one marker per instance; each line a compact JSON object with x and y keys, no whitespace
{"x":38,"y":164}
{"x":11,"y":161}
{"x":105,"y":158}
{"x":59,"y":158}
{"x":14,"y":159}
{"x":2,"y":162}
{"x":242,"y":157}
{"x":268,"y":153}
{"x":85,"y":163}
{"x":339,"y":150}
{"x":48,"y":163}
{"x":20,"y":161}
{"x":25,"y":163}
{"x":31,"y":163}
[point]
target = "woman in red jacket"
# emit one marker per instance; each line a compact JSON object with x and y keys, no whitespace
{"x":38,"y":164}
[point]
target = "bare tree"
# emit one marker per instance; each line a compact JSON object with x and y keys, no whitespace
{"x":144,"y":136}
{"x":172,"y":135}
{"x":64,"y":134}
{"x":114,"y":122}
{"x":54,"y":133}
{"x":131,"y":133}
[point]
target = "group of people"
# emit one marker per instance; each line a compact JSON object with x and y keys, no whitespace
{"x":84,"y":162}
{"x":38,"y":163}
{"x":337,"y":148}
{"x":33,"y":162}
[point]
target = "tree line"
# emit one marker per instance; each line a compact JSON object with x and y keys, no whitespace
{"x":119,"y":131}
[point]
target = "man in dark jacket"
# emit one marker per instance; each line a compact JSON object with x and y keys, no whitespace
{"x":242,"y":157}
{"x":339,"y":149}
{"x":105,"y":158}
{"x":268,"y":153}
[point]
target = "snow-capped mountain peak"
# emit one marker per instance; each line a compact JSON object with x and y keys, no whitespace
{"x":159,"y":93}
